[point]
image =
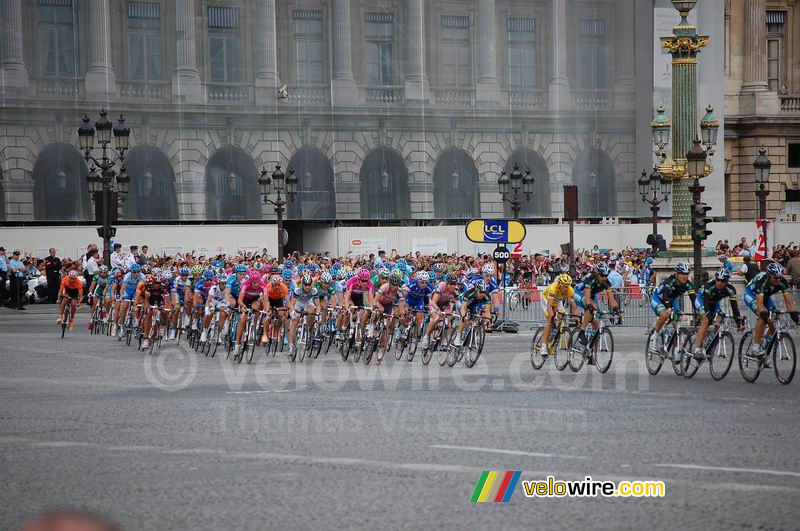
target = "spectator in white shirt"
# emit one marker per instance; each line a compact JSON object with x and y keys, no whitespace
{"x":132,"y":258}
{"x":117,"y":260}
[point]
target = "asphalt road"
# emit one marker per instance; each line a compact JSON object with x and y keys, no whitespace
{"x":187,"y":442}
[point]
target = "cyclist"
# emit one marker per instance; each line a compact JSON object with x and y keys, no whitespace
{"x":115,"y":291}
{"x":386,"y":300}
{"x":98,"y":289}
{"x":201,"y":289}
{"x":71,"y":289}
{"x":152,"y":292}
{"x":328,"y":295}
{"x":305,"y":298}
{"x":196,"y":275}
{"x":666,"y":300}
{"x":216,"y":302}
{"x":586,"y":299}
{"x":277,"y":297}
{"x":381,"y":277}
{"x":250,"y":294}
{"x":707,"y":305}
{"x":758,"y":297}
{"x":130,"y":285}
{"x":358,"y":295}
{"x":417,"y":295}
{"x":438,"y":272}
{"x":473,"y":301}
{"x":487,"y":275}
{"x":181,"y":286}
{"x":442,"y":300}
{"x":553,"y":300}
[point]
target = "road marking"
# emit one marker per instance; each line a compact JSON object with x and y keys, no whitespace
{"x":264,"y":391}
{"x":731,"y":469}
{"x":506,"y":452}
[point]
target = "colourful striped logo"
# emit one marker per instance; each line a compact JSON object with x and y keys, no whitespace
{"x":496,"y":486}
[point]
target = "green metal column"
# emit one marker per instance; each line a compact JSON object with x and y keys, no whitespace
{"x":684,"y":44}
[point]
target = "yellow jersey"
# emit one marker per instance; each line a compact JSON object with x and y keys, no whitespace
{"x":557,"y":292}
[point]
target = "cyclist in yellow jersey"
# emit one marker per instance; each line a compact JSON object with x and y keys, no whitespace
{"x":553,"y":298}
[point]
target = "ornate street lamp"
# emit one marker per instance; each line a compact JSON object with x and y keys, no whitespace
{"x":516,"y":185}
{"x":278,"y":182}
{"x":107,"y":187}
{"x":661,"y":127}
{"x":655,"y":190}
{"x":709,"y":129}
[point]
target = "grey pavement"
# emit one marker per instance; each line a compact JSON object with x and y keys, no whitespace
{"x":181,"y":441}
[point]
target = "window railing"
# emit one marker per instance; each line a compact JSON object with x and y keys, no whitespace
{"x":145,"y":90}
{"x":454,"y":97}
{"x":790,"y":102}
{"x":310,"y":95}
{"x":59,"y":88}
{"x":527,"y":99}
{"x":229,"y":93}
{"x":384,"y":95}
{"x":592,"y":99}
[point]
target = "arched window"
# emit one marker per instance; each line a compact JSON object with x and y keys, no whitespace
{"x":151,"y":194}
{"x":539,"y":204}
{"x":384,"y":186}
{"x":315,"y":196}
{"x":232,"y":186}
{"x":455,"y":186}
{"x":596,"y":180}
{"x":60,"y":188}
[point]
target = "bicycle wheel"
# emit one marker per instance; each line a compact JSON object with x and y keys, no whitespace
{"x":749,"y":366}
{"x":721,"y":357}
{"x":653,"y":360}
{"x":427,"y":353}
{"x":475,"y":347}
{"x":153,"y":338}
{"x":676,"y":354}
{"x":357,"y":346}
{"x":401,"y":343}
{"x":513,"y":301}
{"x":603,"y":351}
{"x":574,"y":357}
{"x":689,"y":364}
{"x":784,"y":359}
{"x":537,"y":360}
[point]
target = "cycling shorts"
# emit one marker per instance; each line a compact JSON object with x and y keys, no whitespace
{"x":276,"y":303}
{"x":658,"y":306}
{"x":579,"y":299}
{"x":71,"y":292}
{"x":417,"y":303}
{"x":704,"y":307}
{"x":750,"y":301}
{"x":357,"y":299}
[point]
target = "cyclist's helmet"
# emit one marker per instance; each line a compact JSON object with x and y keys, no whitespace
{"x":451,"y":278}
{"x":146,"y":269}
{"x":287,"y":274}
{"x":722,"y":274}
{"x":774,"y":269}
{"x":288,"y":264}
{"x":103,"y":269}
{"x":438,"y":267}
{"x":565,"y":280}
{"x":472,"y":271}
{"x":384,"y":273}
{"x":258,"y":266}
{"x":325,"y":278}
{"x":240,"y":268}
{"x":402,"y":263}
{"x":423,"y":277}
{"x":363,"y":274}
{"x":73,"y":274}
{"x":682,"y":268}
{"x":196,"y":270}
{"x":184,"y":271}
{"x":395,"y":280}
{"x":341,"y":274}
{"x":208,"y":274}
{"x":158,"y":276}
{"x":602,"y":269}
{"x":488,"y":269}
{"x":481,"y":286}
{"x":307,"y":280}
{"x":136,"y":268}
{"x":274,"y":269}
{"x":156,"y":271}
{"x":275,"y":279}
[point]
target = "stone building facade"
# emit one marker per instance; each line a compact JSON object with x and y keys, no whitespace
{"x":397,"y":109}
{"x":762,"y":105}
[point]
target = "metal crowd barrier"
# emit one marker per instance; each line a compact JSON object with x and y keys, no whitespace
{"x":524,"y":306}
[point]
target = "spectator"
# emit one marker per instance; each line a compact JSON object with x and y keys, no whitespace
{"x":117,"y":260}
{"x":132,"y":258}
{"x":749,"y":268}
{"x":793,"y":267}
{"x":726,"y":263}
{"x":52,"y":269}
{"x":144,"y":256}
{"x":3,"y":274}
{"x":16,"y":269}
{"x":90,"y":268}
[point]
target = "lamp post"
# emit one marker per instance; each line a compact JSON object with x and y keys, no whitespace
{"x":107,"y":186}
{"x":655,"y":190}
{"x":696,"y":167}
{"x":517,"y":185}
{"x":278,"y":183}
{"x":762,"y":167}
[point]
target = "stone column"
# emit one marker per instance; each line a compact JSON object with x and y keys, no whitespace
{"x":267,"y":80}
{"x":101,"y":83}
{"x":417,"y":85}
{"x":560,"y":96}
{"x":13,"y":73}
{"x":488,"y":88}
{"x":755,"y":46}
{"x":625,"y":83}
{"x":186,"y":85}
{"x":343,"y":85}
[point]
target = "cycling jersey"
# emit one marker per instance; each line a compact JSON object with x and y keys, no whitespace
{"x":203,"y":286}
{"x":73,"y":287}
{"x":305,"y":298}
{"x":279,"y":292}
{"x":670,"y":289}
{"x":446,"y":296}
{"x":388,"y":295}
{"x":709,"y":296}
{"x":558,"y":293}
{"x":234,"y":286}
{"x":216,"y":293}
{"x":760,"y":285}
{"x":355,"y":287}
{"x":591,"y":282}
{"x":101,"y":284}
{"x":130,"y":283}
{"x":475,"y":302}
{"x":325,"y":294}
{"x":416,"y":294}
{"x":179,"y":286}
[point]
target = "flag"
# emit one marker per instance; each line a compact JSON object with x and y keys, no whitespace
{"x":762,"y":252}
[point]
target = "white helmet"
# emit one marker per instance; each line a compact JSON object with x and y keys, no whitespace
{"x":488,"y":269}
